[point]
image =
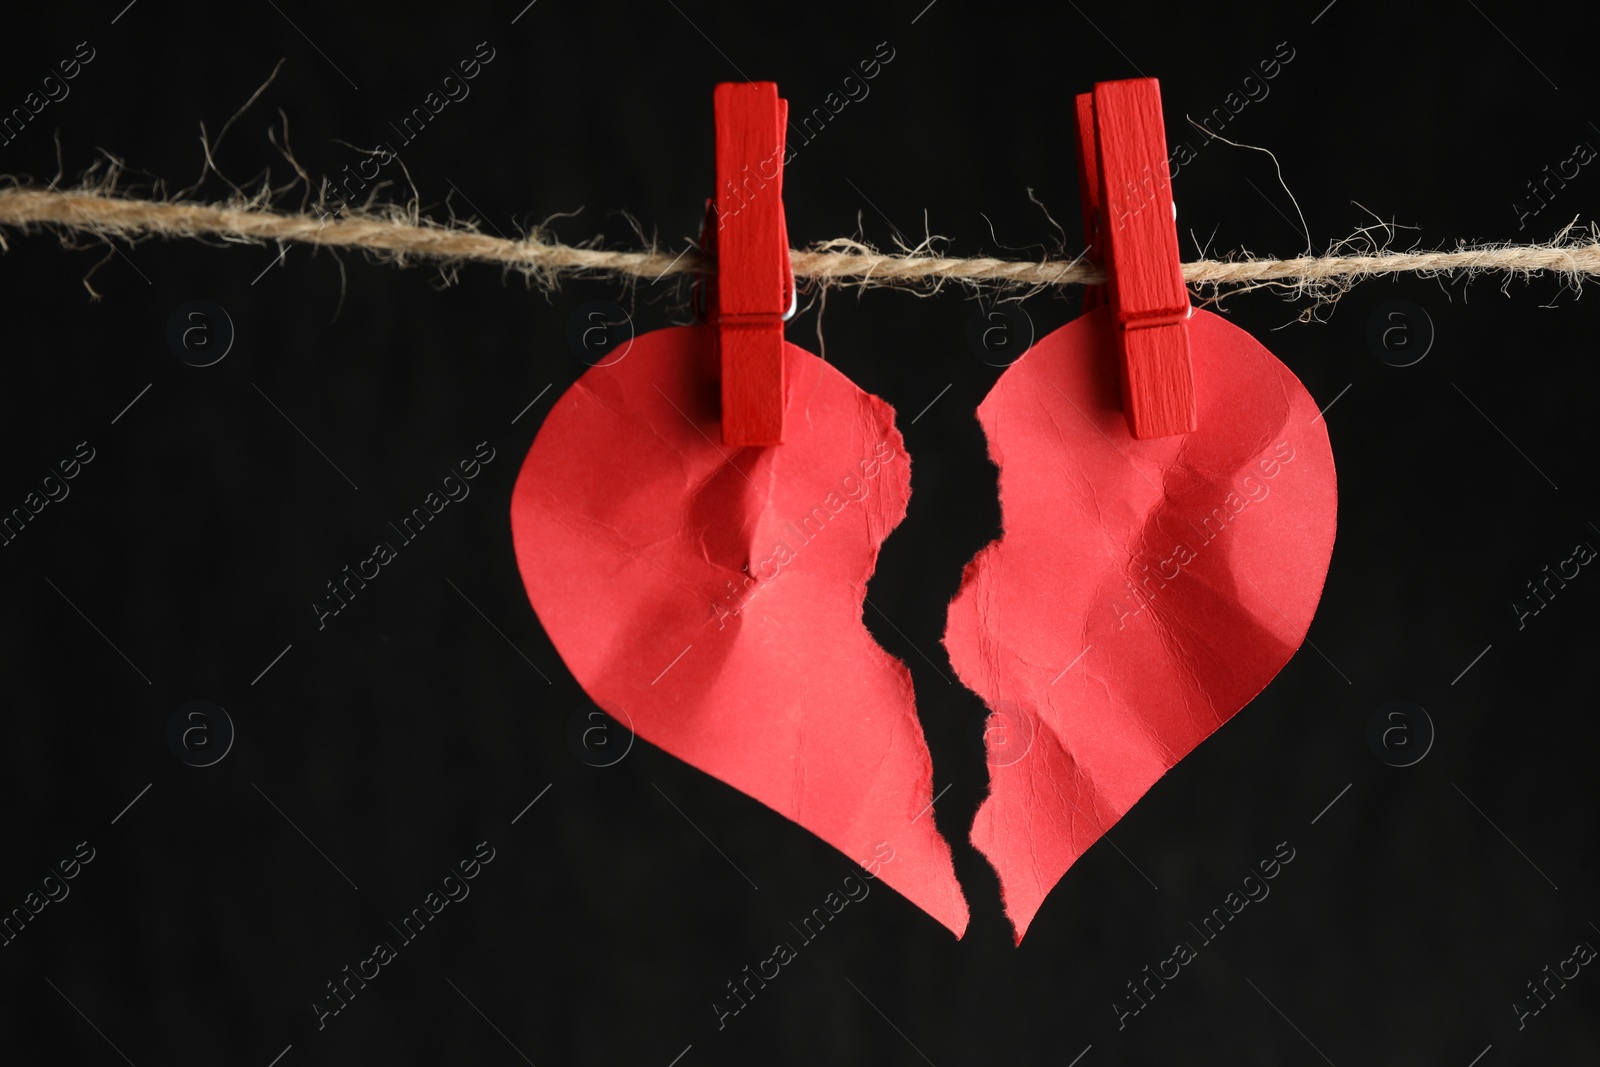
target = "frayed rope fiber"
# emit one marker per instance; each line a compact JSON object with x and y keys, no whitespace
{"x":840,"y":262}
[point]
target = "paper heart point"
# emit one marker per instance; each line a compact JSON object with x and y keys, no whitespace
{"x":1142,"y":592}
{"x":713,"y":597}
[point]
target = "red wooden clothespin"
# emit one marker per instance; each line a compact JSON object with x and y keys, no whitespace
{"x":1129,"y":220}
{"x":754,"y":289}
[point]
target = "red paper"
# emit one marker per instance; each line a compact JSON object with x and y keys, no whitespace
{"x":1143,"y":591}
{"x":713,"y":597}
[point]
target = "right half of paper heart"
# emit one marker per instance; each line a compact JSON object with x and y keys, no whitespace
{"x":1142,"y":591}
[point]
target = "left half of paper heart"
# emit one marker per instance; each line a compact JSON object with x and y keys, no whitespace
{"x":712,"y":597}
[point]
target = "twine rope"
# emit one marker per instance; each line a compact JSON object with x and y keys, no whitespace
{"x":401,"y":237}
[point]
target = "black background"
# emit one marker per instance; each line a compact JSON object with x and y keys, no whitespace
{"x":188,"y":552}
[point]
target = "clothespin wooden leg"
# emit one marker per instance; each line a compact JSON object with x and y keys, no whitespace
{"x":1089,"y":193}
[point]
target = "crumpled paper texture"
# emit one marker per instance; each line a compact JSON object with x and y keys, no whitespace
{"x":712,"y":597}
{"x":1142,"y":591}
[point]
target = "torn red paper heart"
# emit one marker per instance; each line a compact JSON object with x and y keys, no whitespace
{"x":1142,"y":592}
{"x":713,"y":597}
